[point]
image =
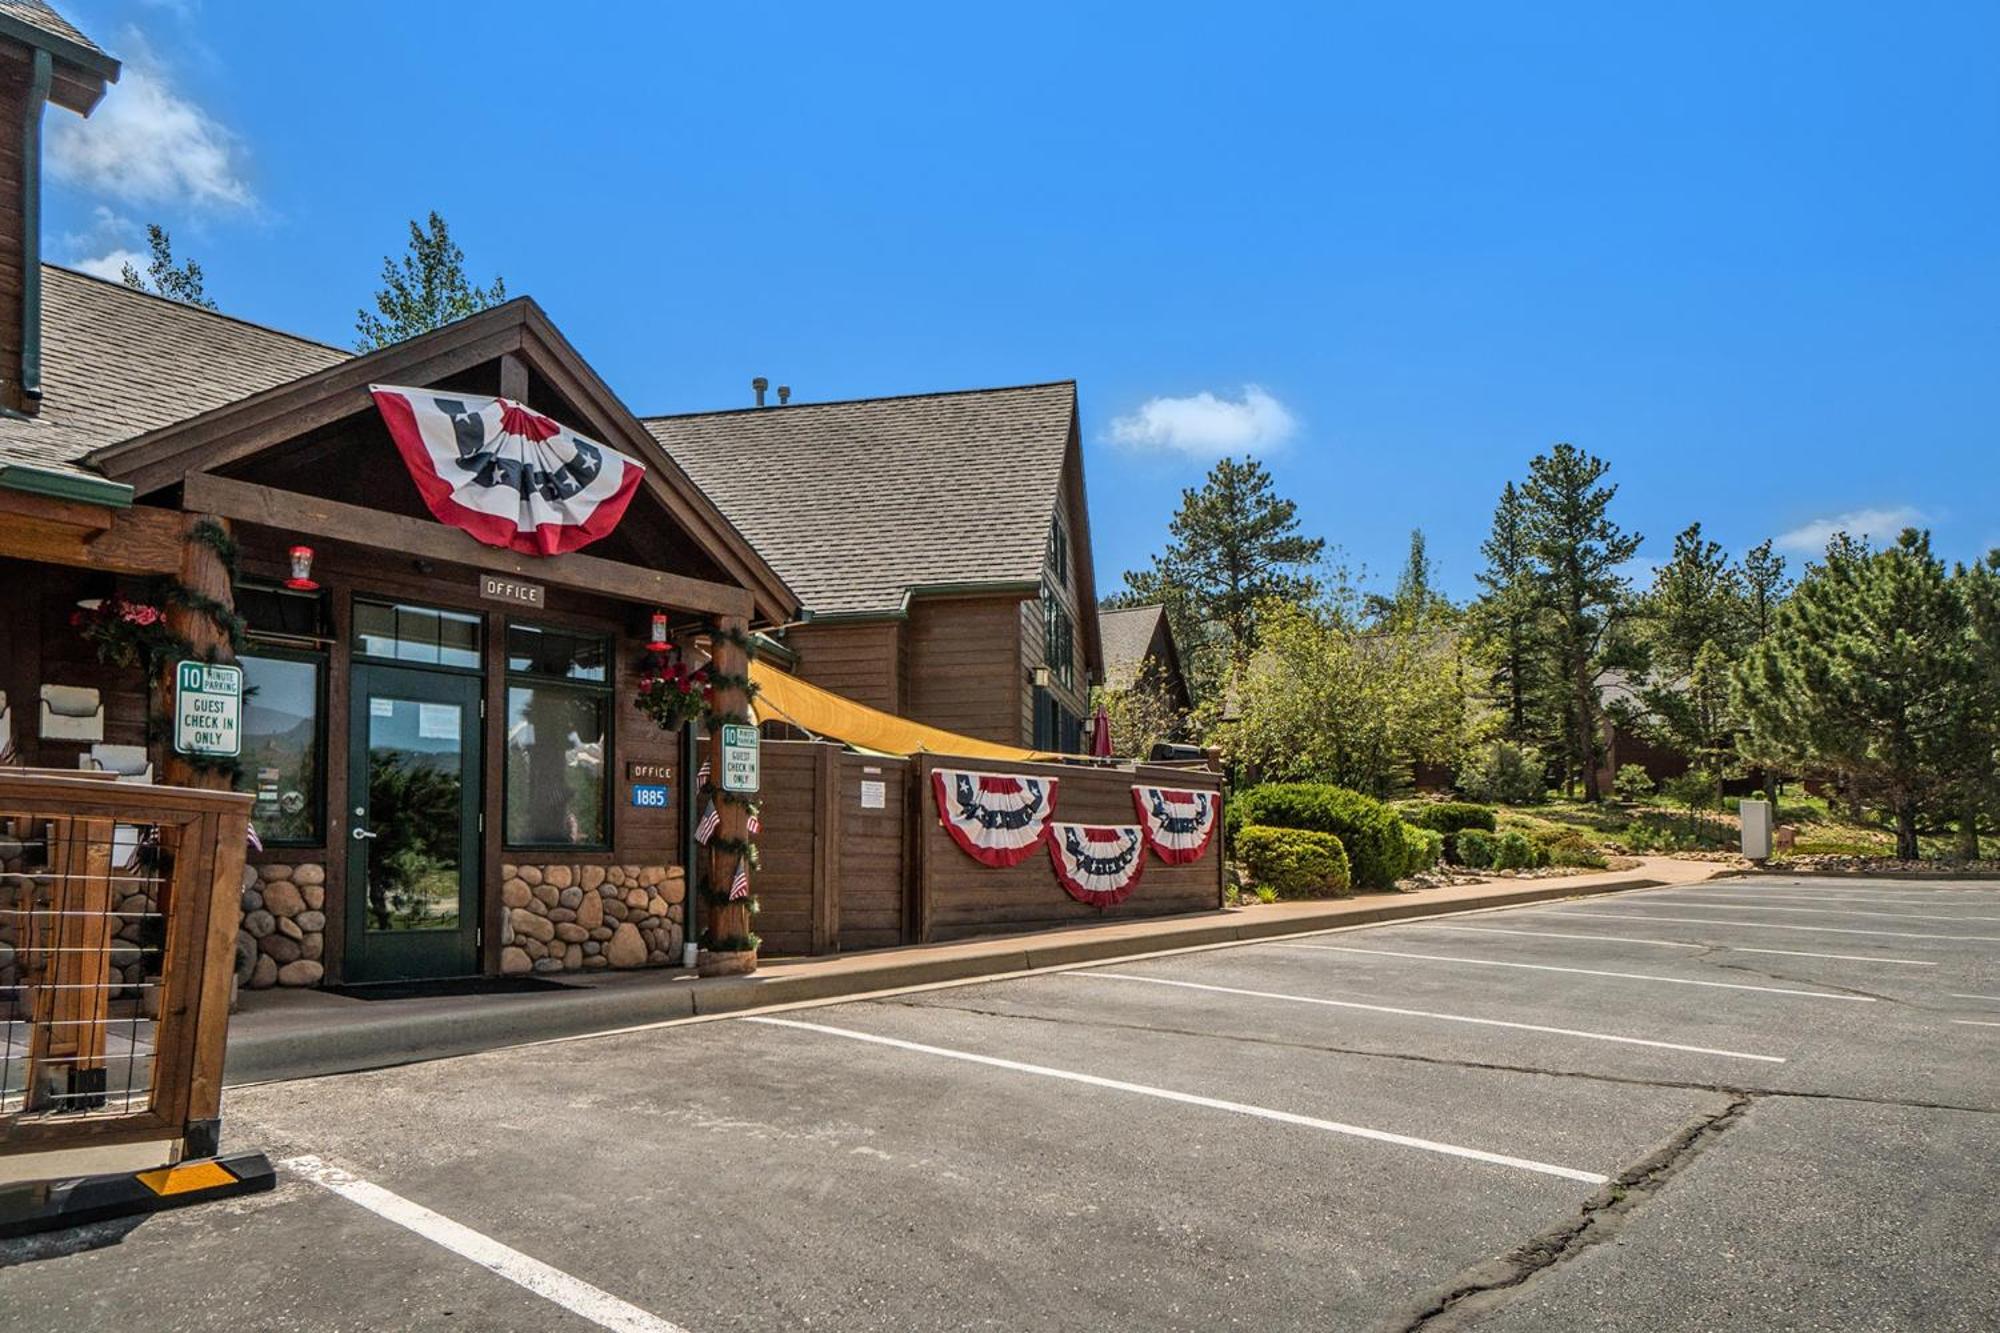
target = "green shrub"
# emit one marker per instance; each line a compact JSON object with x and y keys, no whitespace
{"x":1449,"y":816}
{"x":1504,"y":773}
{"x":1472,"y":848}
{"x":1293,"y":863}
{"x":1568,"y":847}
{"x":1426,"y":849}
{"x":1633,"y":784}
{"x":1377,"y":843}
{"x":1514,"y":850}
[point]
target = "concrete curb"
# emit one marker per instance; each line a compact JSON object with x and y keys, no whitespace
{"x":398,"y":1037}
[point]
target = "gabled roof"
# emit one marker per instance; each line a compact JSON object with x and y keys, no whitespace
{"x":862,"y":504}
{"x":81,"y":68}
{"x":234,"y":430}
{"x":118,"y":362}
{"x":1128,"y":633}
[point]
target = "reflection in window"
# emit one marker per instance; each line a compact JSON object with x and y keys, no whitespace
{"x":416,"y":634}
{"x":558,"y":707}
{"x":281,"y":747}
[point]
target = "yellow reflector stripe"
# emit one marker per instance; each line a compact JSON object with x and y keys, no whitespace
{"x":182,"y":1179}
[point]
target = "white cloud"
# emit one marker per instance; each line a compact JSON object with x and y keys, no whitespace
{"x":149,"y":144}
{"x":1882,"y":524}
{"x":1203,"y":425}
{"x":112,"y":265}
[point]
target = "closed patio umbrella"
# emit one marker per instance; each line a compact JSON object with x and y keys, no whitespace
{"x":1100,"y":734}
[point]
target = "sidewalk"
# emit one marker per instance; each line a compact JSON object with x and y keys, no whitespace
{"x":284,"y":1034}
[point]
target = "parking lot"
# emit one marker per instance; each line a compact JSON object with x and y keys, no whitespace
{"x":1755,"y":1104}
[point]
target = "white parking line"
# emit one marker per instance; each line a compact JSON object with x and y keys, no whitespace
{"x":1774,"y":925}
{"x":1420,"y":1013}
{"x":1580,"y":971}
{"x":1957,"y":995}
{"x":551,"y":1284}
{"x":1669,"y":944}
{"x":1738,"y":895}
{"x":1974,"y":1023}
{"x":1708,"y":904}
{"x":1191,"y":1099}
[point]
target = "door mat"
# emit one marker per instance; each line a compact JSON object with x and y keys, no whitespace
{"x":445,"y":986}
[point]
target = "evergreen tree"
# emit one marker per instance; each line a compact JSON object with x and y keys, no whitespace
{"x":1506,"y":618}
{"x":1868,"y":675}
{"x":1576,"y":551}
{"x":1695,"y":601}
{"x":1762,"y":584}
{"x":1232,"y":545}
{"x":425,"y":290}
{"x":177,"y":282}
{"x":1415,"y":602}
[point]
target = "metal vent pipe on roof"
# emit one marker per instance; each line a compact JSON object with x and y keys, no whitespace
{"x":784,"y":394}
{"x":758,"y":386}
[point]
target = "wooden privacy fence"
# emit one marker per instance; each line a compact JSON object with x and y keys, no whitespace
{"x":118,"y":910}
{"x":852,"y":855}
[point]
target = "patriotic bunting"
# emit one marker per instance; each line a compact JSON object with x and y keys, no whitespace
{"x":510,"y":476}
{"x":1178,"y":824}
{"x":1098,"y":866}
{"x":996,"y":818}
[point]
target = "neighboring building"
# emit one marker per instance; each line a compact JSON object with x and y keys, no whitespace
{"x":940,"y":543}
{"x":1139,"y":645}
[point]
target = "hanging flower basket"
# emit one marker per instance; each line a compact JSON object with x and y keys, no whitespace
{"x":124,"y":633}
{"x":672,"y":695}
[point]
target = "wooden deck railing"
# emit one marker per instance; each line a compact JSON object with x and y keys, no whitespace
{"x":118,"y":915}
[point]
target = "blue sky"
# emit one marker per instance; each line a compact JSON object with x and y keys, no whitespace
{"x":1747,"y":253}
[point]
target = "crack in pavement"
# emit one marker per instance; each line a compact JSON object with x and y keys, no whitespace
{"x":1485,"y":1285}
{"x":1407,"y":1057}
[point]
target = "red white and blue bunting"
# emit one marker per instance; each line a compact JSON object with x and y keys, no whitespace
{"x":1179,"y":824}
{"x":509,"y":476}
{"x":997,"y":818}
{"x":1095,"y":865}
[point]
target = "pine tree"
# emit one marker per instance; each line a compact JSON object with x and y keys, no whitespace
{"x":1415,"y":601}
{"x":177,"y":282}
{"x":1869,"y":676}
{"x":1577,"y":551}
{"x":1695,"y":601}
{"x":1232,"y":545}
{"x":1506,"y":615}
{"x":427,"y":289}
{"x":1762,"y":583}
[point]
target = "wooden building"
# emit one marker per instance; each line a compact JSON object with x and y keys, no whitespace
{"x":448,"y":770}
{"x":1139,"y":649}
{"x":940,"y":543}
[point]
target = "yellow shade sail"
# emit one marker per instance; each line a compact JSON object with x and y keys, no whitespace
{"x":784,"y":698}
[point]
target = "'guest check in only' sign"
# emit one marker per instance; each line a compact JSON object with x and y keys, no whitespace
{"x":208,"y":709}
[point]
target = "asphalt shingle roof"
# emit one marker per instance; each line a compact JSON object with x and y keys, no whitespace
{"x":44,"y":19}
{"x":856,"y":503}
{"x":117,"y":362}
{"x":1127,"y":633}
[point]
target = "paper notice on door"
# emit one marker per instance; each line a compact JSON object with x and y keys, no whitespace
{"x":874,"y":795}
{"x":381,"y":708}
{"x":437,"y":722}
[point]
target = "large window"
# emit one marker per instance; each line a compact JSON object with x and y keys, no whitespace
{"x":558,"y":711}
{"x":282,"y":743}
{"x":1058,"y":638}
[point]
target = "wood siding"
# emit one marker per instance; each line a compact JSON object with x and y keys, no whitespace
{"x":831,"y":873}
{"x":1074,"y":696}
{"x":861,"y":660}
{"x":959,"y":897}
{"x":15,"y":71}
{"x":965,"y":666}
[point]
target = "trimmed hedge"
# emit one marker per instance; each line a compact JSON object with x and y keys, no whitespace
{"x":1449,"y":816}
{"x":1379,"y":848}
{"x":1514,"y":850}
{"x":1293,"y":863}
{"x":1426,"y":849}
{"x":1472,"y":848}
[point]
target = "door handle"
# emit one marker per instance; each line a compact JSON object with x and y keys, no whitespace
{"x":362,"y":834}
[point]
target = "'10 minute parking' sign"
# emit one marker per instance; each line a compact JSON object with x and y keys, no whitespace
{"x":208,"y":709}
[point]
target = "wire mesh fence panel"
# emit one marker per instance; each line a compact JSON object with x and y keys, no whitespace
{"x":117,"y":913}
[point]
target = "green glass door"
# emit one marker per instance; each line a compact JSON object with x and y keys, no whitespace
{"x":413,"y":796}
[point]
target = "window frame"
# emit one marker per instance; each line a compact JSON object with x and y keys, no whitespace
{"x":1058,"y":638}
{"x":482,"y":621}
{"x":321,"y":661}
{"x":606,"y":689}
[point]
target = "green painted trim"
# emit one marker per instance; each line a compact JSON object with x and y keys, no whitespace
{"x":768,"y":646}
{"x":58,"y":484}
{"x":72,"y":53}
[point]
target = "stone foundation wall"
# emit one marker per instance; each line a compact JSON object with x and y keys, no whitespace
{"x":284,"y":920}
{"x":579,"y":918}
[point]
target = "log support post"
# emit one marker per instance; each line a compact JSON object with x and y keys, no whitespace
{"x":204,"y":573}
{"x":728,"y":922}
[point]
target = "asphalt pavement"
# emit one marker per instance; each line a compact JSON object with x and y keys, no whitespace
{"x":1758,"y":1104}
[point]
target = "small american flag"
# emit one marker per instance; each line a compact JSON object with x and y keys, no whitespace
{"x":756,"y":825}
{"x":701,"y":774}
{"x":711,"y":819}
{"x":739,"y":883}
